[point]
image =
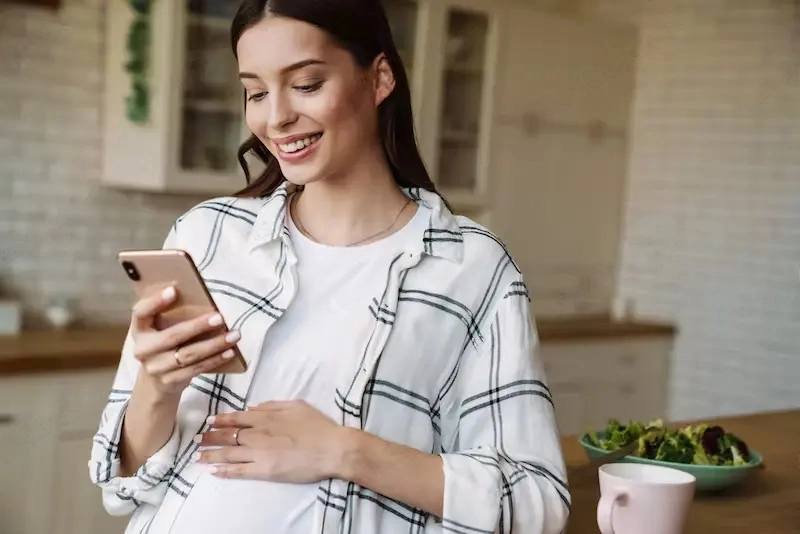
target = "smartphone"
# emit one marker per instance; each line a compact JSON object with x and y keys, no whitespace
{"x":151,"y":271}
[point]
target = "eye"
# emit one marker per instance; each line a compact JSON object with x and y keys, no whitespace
{"x":257,"y":97}
{"x":309,"y":88}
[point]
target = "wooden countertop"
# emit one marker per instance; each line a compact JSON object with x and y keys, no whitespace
{"x":552,"y":329}
{"x":767,"y":501}
{"x":93,"y":348}
{"x":46,"y":351}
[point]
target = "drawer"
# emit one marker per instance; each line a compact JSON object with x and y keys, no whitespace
{"x":615,"y":361}
{"x":83,"y":397}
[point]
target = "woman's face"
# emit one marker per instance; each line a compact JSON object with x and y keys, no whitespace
{"x":309,"y":103}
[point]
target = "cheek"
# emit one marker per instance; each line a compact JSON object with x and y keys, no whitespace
{"x":256,"y":120}
{"x":344,"y":115}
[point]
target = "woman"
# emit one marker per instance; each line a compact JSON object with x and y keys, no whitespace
{"x":392,"y":385}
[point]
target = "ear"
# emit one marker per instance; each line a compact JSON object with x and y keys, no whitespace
{"x":384,"y":79}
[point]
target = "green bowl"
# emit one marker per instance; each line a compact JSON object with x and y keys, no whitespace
{"x":709,"y":477}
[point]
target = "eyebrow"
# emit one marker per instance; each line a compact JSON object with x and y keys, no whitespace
{"x":285,"y":70}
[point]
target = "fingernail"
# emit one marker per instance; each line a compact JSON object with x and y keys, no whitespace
{"x":196,"y":457}
{"x":213,"y":469}
{"x":210,"y":420}
{"x":215,"y":320}
{"x":168,"y":293}
{"x":233,"y":336}
{"x":198,"y":439}
{"x":228,"y":354}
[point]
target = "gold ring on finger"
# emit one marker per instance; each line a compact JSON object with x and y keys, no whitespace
{"x":236,"y":436}
{"x":177,"y":356}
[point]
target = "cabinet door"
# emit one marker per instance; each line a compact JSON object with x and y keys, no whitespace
{"x":558,"y":164}
{"x":456,"y":111}
{"x":26,"y":462}
{"x":592,"y":382}
{"x":569,"y":401}
{"x":211,"y":103}
{"x":77,"y":505}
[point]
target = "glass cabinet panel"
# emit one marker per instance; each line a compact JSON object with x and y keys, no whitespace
{"x":461,"y":98}
{"x":212,"y":97}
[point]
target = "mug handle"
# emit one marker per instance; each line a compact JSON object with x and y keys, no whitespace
{"x":605,"y":511}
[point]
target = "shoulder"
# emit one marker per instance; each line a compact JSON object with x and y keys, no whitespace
{"x":244,"y":210}
{"x":218,"y":220}
{"x":485,"y":251}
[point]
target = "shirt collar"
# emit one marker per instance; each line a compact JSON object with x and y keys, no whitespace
{"x":442,"y":238}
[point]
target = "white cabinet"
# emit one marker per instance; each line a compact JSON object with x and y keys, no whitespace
{"x":46,"y":428}
{"x":27,"y":409}
{"x":77,"y":506}
{"x":195,"y":124}
{"x":559,"y":153}
{"x":454,"y":82}
{"x":595,"y":380}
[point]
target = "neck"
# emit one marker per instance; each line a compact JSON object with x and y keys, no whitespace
{"x":339,"y":211}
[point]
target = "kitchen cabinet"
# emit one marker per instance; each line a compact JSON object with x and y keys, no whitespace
{"x":564,"y":91}
{"x":27,"y":410}
{"x":46,"y":429}
{"x":77,"y":506}
{"x":195,"y":125}
{"x":594,"y":380}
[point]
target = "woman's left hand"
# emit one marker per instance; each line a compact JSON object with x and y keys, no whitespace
{"x":280,"y":441}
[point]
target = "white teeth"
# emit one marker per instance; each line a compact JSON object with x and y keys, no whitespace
{"x":297,"y":145}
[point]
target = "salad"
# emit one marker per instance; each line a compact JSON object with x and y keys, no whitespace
{"x":694,"y":444}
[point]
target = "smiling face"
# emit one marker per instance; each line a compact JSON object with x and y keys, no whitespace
{"x":308,"y":101}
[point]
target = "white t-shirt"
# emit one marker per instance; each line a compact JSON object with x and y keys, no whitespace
{"x":320,"y":337}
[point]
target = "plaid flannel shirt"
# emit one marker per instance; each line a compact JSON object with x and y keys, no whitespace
{"x":450,"y":368}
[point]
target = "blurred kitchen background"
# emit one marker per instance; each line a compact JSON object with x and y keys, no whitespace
{"x":640,"y":158}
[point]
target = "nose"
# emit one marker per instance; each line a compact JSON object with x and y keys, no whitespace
{"x":280,"y":112}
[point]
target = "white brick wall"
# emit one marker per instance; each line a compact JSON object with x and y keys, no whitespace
{"x":59,"y":230}
{"x":712,"y":237}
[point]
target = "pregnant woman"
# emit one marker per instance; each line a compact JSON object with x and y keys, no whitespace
{"x":393,"y":384}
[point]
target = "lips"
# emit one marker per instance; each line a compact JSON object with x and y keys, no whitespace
{"x":296,"y":148}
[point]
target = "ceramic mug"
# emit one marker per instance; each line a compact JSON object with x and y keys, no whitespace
{"x":637,"y":498}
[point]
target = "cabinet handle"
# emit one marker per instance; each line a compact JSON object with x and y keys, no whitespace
{"x":6,"y":419}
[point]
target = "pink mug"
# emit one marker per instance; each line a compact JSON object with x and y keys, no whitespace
{"x":637,"y":498}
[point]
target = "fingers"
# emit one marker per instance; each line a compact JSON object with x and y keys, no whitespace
{"x":145,"y":310}
{"x":228,"y":437}
{"x":249,"y":470}
{"x":180,"y":377}
{"x":246,"y":419}
{"x":200,"y":350}
{"x":194,"y":353}
{"x":226,"y":455}
{"x":173,"y":337}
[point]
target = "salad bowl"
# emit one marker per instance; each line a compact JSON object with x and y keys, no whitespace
{"x":716,"y":458}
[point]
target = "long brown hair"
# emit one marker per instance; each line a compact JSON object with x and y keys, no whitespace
{"x":361,"y":28}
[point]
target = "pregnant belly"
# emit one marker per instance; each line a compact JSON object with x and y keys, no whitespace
{"x":217,"y":505}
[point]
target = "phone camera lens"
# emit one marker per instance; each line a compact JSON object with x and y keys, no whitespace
{"x":131,"y":271}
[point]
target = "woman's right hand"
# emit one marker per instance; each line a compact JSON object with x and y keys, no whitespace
{"x":169,"y":361}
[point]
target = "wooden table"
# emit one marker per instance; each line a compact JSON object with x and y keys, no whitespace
{"x":767,"y":502}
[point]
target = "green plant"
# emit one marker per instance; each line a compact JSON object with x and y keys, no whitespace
{"x":137,"y":103}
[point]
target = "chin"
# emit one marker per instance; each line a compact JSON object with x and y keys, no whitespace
{"x":300,"y":178}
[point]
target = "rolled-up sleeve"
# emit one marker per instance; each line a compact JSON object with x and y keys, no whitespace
{"x":122,"y":495}
{"x":508,"y":472}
